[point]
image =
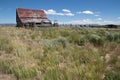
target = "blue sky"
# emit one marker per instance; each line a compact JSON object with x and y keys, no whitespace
{"x":66,"y":11}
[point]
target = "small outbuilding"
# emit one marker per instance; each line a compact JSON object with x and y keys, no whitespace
{"x":111,"y":26}
{"x":31,"y":18}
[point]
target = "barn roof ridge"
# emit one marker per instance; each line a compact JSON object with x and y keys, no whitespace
{"x":28,"y":9}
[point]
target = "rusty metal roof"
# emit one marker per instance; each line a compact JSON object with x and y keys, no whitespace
{"x":31,"y":14}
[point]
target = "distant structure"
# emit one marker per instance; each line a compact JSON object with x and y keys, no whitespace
{"x":55,"y":23}
{"x":31,"y":18}
{"x":111,"y":26}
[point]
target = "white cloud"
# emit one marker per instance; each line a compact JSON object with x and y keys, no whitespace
{"x":50,"y":11}
{"x":69,"y":14}
{"x":118,"y":17}
{"x":99,"y":19}
{"x":88,"y":12}
{"x":53,"y":12}
{"x":78,"y":12}
{"x":61,"y":14}
{"x":85,"y":12}
{"x":107,"y":21}
{"x":66,"y":10}
{"x":97,"y":15}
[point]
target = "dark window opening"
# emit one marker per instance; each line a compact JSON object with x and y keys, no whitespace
{"x":38,"y":23}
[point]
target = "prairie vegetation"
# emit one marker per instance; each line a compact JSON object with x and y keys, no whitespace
{"x":66,"y":53}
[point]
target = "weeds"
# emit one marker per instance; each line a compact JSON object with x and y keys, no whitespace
{"x":22,"y":73}
{"x":67,"y":53}
{"x":5,"y":45}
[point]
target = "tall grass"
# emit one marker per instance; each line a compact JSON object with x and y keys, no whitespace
{"x":59,"y":53}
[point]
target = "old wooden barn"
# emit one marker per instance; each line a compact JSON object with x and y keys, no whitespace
{"x":31,"y":18}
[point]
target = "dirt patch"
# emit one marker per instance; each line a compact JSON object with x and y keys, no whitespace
{"x":7,"y":76}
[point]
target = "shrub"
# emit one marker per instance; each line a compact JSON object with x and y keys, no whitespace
{"x":78,"y":39}
{"x":96,"y":40}
{"x":55,"y":43}
{"x":65,"y":33}
{"x":110,"y":37}
{"x":63,"y":41}
{"x":116,"y":36}
{"x":101,"y":32}
{"x":112,"y":76}
{"x":82,"y":41}
{"x":113,"y":36}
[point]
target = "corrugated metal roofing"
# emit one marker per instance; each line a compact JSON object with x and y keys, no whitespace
{"x":27,"y":13}
{"x":28,"y":17}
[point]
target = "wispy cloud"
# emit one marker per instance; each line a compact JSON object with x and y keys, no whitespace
{"x":91,"y":21}
{"x":53,"y":12}
{"x":79,"y":12}
{"x":97,"y":15}
{"x":108,"y":22}
{"x":82,"y":21}
{"x":118,"y":17}
{"x":50,"y":11}
{"x":69,"y":14}
{"x":99,"y":19}
{"x":86,"y":12}
{"x":65,"y":12}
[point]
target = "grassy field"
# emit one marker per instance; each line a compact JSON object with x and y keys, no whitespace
{"x":66,"y":53}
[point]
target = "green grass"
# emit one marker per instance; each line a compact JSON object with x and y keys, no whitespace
{"x":60,"y":53}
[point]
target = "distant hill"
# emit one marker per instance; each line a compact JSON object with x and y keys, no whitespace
{"x":7,"y":25}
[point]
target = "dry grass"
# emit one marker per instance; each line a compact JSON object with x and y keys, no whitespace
{"x":67,"y":53}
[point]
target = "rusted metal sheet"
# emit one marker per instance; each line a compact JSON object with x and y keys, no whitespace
{"x":27,"y":13}
{"x":26,"y":16}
